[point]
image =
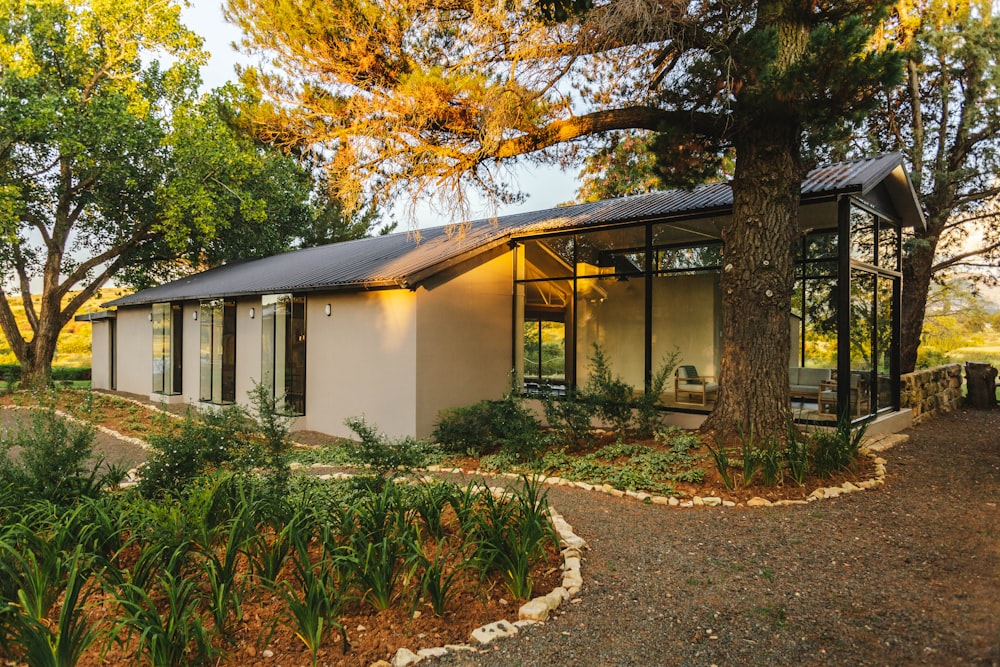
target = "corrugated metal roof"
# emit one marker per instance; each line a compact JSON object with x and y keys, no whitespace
{"x":397,"y":260}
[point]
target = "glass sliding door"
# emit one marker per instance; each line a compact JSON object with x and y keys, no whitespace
{"x":168,"y":327}
{"x":283,"y":350}
{"x":218,"y":351}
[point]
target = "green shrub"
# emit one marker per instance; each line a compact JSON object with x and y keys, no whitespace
{"x":569,"y":418}
{"x":611,"y":396}
{"x":384,"y":456}
{"x":54,"y":459}
{"x":488,"y":426}
{"x":836,"y":450}
{"x":649,"y":416}
{"x":205,"y":442}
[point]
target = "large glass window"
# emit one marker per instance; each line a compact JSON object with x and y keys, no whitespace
{"x":646,"y":293}
{"x":814,"y":303}
{"x":218,"y":351}
{"x":283,"y":350}
{"x":168,"y":327}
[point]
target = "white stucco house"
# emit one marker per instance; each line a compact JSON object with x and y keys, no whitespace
{"x":399,"y":327}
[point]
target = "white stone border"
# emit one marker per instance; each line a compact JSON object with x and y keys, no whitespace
{"x":870,"y":448}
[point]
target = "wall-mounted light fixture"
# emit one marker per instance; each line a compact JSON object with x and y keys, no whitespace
{"x":151,"y":317}
{"x":194,"y":314}
{"x":252,"y":313}
{"x":327,"y":309}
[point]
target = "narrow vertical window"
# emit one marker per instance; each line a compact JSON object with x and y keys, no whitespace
{"x":283,"y":350}
{"x":218,"y":351}
{"x":167,"y":352}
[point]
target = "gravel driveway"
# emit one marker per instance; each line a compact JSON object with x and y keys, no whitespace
{"x":904,"y":575}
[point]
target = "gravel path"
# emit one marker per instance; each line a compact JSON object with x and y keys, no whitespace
{"x":904,"y":575}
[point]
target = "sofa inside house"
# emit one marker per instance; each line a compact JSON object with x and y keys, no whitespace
{"x":806,"y":383}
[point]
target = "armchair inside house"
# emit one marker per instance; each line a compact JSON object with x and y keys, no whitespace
{"x":688,"y":381}
{"x":858,"y":387}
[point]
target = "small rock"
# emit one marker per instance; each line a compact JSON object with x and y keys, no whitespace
{"x":697,"y":502}
{"x":459,"y":647}
{"x":757,"y":501}
{"x":673,"y":502}
{"x":712,"y":501}
{"x":435,"y":652}
{"x":267,"y":653}
{"x":535,"y":610}
{"x":405,"y":657}
{"x":487,"y":633}
{"x":572,"y":579}
{"x":661,"y":500}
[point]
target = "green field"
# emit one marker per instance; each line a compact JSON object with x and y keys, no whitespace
{"x":73,"y":348}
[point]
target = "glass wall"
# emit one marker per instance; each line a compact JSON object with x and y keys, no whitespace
{"x":617,"y":291}
{"x":168,"y":327}
{"x":648,"y":293}
{"x":283,"y":350}
{"x":218,"y":351}
{"x":873,"y":322}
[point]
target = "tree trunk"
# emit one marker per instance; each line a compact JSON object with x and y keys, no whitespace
{"x":981,"y":381}
{"x":756,"y":282}
{"x":917,"y":265}
{"x":36,"y":367}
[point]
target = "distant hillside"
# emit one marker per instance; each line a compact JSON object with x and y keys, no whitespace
{"x":73,"y":348}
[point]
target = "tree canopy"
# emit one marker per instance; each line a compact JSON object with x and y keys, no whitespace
{"x":434,"y":96}
{"x":111,"y":164}
{"x":945,"y":117}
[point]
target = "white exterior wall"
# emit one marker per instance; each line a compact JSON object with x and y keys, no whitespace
{"x":248,"y":333}
{"x":464,"y":340}
{"x":134,"y":353}
{"x":360,"y":360}
{"x":101,"y":354}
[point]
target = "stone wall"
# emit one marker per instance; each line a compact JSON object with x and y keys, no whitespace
{"x":932,"y":392}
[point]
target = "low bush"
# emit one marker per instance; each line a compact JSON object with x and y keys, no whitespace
{"x":489,"y":426}
{"x":836,"y":450}
{"x":54,"y":460}
{"x":384,"y":456}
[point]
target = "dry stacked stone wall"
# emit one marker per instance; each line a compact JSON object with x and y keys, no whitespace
{"x":933,"y":391}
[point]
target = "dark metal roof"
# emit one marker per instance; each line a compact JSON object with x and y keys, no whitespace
{"x":405,"y":258}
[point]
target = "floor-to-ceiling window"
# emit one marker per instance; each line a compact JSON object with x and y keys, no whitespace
{"x":167,"y":349}
{"x":218,"y":351}
{"x":651,"y":292}
{"x":283,"y":350}
{"x":643,"y":295}
{"x":873,"y":317}
{"x":611,"y":303}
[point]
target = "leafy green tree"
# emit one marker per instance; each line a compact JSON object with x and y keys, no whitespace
{"x":945,"y":117}
{"x":111,"y":165}
{"x":433,"y":97}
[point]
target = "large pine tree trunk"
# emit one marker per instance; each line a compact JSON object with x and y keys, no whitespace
{"x":757,"y":278}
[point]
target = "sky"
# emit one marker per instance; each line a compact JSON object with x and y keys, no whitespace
{"x":545,"y":187}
